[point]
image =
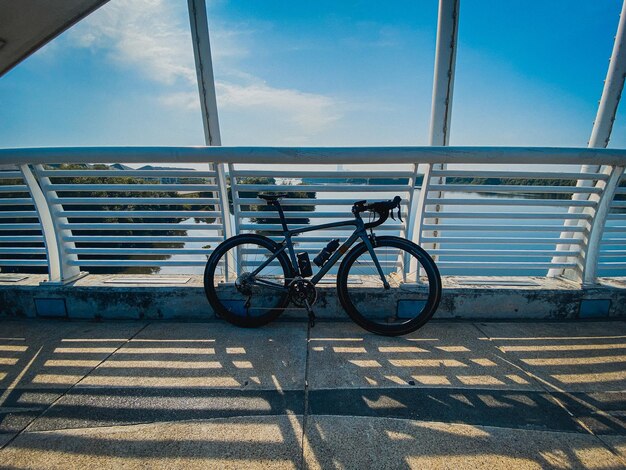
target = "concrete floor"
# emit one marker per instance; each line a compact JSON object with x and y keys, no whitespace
{"x":208,"y":395}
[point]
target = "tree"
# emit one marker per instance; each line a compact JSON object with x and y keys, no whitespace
{"x":269,"y":214}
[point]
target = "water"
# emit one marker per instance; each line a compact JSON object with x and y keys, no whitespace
{"x":511,"y":270}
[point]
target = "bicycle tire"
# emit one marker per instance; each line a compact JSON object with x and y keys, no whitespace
{"x":379,"y":326}
{"x":227,"y":312}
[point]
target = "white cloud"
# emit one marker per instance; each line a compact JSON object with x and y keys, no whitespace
{"x":309,"y":110}
{"x":181,"y":100}
{"x":153,"y":37}
{"x":144,"y":34}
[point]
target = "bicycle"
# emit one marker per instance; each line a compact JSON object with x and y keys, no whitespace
{"x":387,"y":285}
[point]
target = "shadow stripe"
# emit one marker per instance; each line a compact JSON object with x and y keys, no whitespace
{"x":509,"y":409}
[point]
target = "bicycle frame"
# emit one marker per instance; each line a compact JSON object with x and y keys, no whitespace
{"x":287,"y":244}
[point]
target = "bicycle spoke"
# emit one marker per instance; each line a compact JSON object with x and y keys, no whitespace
{"x":255,"y":297}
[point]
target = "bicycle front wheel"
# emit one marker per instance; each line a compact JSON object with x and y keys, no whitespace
{"x":412,"y":295}
{"x":237,"y":295}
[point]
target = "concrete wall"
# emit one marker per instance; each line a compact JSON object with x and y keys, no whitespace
{"x":97,"y":298}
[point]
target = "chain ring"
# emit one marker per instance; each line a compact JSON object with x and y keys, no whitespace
{"x":302,"y":291}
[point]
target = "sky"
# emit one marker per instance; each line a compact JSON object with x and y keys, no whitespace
{"x":323,"y":73}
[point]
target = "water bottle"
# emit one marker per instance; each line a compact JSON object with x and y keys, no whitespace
{"x":323,"y":255}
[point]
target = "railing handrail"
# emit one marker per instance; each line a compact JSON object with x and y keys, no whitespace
{"x":439,"y":231}
{"x":315,"y":155}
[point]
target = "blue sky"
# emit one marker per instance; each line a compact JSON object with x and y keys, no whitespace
{"x":316,"y":73}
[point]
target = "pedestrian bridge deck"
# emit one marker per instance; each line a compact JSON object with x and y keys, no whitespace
{"x":209,"y":395}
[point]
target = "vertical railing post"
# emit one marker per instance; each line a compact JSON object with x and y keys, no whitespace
{"x":600,"y":135}
{"x":441,"y":112}
{"x":598,"y":223}
{"x":61,"y":263}
{"x":208,"y":102}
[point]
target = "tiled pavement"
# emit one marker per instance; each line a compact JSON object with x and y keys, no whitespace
{"x":208,"y":395}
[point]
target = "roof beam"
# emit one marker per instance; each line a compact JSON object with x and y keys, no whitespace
{"x":28,"y":25}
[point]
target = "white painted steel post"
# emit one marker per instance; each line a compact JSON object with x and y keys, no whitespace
{"x":600,"y":135}
{"x":234,"y":191}
{"x":60,"y":269}
{"x":441,"y":112}
{"x":590,"y":264}
{"x":208,"y":100}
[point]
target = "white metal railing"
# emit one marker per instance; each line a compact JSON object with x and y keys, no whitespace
{"x":490,"y":220}
{"x":21,"y":237}
{"x":612,"y":244}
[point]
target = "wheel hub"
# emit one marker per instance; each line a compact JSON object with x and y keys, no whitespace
{"x":243,"y":283}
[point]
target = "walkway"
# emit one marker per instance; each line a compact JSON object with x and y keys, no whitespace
{"x":208,"y":395}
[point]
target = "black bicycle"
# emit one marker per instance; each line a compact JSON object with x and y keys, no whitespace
{"x":387,"y":285}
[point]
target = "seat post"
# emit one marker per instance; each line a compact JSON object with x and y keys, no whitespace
{"x":281,"y":214}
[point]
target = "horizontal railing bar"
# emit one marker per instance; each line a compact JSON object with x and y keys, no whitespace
{"x":612,"y":254}
{"x":10,"y":175}
{"x":275,"y":227}
{"x":311,"y":239}
{"x":112,"y":201}
{"x":137,"y":251}
{"x":617,"y":216}
{"x":504,"y":265}
{"x":21,"y":238}
{"x":519,"y":174}
{"x":613,"y":241}
{"x":474,"y":252}
{"x":129,"y":173}
{"x":621,"y":190}
{"x":146,"y":263}
{"x":512,"y":188}
{"x":334,"y":174}
{"x":621,"y":228}
{"x":503,"y":228}
{"x":335,"y":188}
{"x":23,"y":249}
{"x":274,"y":215}
{"x":17,"y":214}
{"x":13,"y":188}
{"x":20,"y":227}
{"x":362,"y":264}
{"x":505,"y":215}
{"x":137,"y":226}
{"x":138,"y":239}
{"x":303,"y":202}
{"x":612,"y":265}
{"x":316,"y":155}
{"x":23,"y":262}
{"x":143,"y":214}
{"x":300,"y":214}
{"x":17,"y":201}
{"x":508,"y":240}
{"x":134,"y":187}
{"x":615,"y":203}
{"x":510,"y":202}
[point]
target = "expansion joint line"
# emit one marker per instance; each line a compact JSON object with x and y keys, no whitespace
{"x":306,"y":394}
{"x":25,"y":429}
{"x":550,"y":389}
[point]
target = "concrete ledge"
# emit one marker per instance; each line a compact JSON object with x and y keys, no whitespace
{"x":96,"y":297}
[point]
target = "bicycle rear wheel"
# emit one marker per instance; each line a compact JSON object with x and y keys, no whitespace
{"x":414,"y":287}
{"x":241,"y":300}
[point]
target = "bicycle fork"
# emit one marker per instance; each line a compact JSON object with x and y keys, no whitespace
{"x":370,"y":248}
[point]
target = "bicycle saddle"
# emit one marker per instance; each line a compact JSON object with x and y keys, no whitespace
{"x":271,"y":197}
